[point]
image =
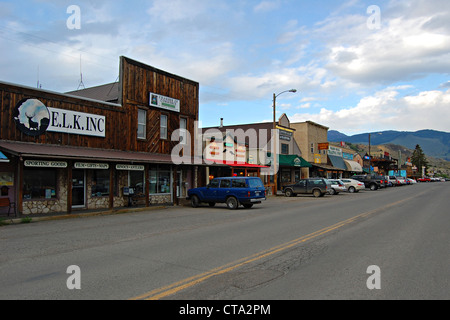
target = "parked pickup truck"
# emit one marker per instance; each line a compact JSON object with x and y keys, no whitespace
{"x":318,"y":187}
{"x":233,"y":191}
{"x":371,"y":181}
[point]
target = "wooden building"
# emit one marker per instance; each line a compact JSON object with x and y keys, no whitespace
{"x":98,"y":148}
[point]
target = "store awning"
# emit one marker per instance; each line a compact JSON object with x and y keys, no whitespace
{"x":293,"y":161}
{"x":45,"y":151}
{"x":3,"y":158}
{"x":338,"y":162}
{"x":327,"y":167}
{"x":353,"y":166}
{"x":235,"y":164}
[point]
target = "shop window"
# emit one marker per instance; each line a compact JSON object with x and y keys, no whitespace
{"x":100,"y":183}
{"x":163,"y":134}
{"x":160,"y":182}
{"x":136,"y":181}
{"x":142,"y":124}
{"x":285,"y":175}
{"x":39,"y":184}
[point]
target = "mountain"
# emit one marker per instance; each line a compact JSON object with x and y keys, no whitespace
{"x":433,"y":143}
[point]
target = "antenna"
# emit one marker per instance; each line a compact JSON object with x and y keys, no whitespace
{"x":39,"y":86}
{"x":81,"y":78}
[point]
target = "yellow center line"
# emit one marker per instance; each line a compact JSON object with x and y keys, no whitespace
{"x":194,"y":280}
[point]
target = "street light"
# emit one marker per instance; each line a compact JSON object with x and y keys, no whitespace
{"x":274,"y":153}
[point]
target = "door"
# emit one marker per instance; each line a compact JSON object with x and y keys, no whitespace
{"x":78,"y":189}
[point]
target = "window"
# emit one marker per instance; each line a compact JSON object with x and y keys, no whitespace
{"x":285,"y":175}
{"x":284,"y":148}
{"x":312,"y":147}
{"x":163,"y":134}
{"x":137,"y":181}
{"x":183,"y":130}
{"x":225,"y":183}
{"x":160,"y":182}
{"x":214,"y":183}
{"x":238,"y":183}
{"x":100,"y":183}
{"x":39,"y":184}
{"x":142,"y":124}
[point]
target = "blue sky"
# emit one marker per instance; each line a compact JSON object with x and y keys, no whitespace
{"x":350,"y":76}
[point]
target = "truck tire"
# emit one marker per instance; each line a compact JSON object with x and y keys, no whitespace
{"x":232,"y":203}
{"x":195,"y":202}
{"x":317,"y":193}
{"x":373,"y":187}
{"x":289,"y":193}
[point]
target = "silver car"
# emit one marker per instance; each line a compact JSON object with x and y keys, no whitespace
{"x":353,"y":185}
{"x":336,"y":186}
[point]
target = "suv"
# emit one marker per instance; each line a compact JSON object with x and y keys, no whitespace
{"x":370,"y":181}
{"x":233,"y":191}
{"x":318,"y":187}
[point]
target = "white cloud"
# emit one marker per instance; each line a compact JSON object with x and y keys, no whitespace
{"x":386,"y":110}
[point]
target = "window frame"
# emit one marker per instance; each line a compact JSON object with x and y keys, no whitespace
{"x":161,"y":127}
{"x":140,"y":124}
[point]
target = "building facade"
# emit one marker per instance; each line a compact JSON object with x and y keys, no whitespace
{"x":99,"y":148}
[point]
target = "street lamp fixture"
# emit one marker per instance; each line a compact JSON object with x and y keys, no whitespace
{"x":274,"y":153}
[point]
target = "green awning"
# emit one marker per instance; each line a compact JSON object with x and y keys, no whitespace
{"x":293,"y":161}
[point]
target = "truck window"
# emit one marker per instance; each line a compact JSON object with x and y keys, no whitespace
{"x":238,"y":183}
{"x":255,"y":183}
{"x":214,"y":183}
{"x":225,"y":183}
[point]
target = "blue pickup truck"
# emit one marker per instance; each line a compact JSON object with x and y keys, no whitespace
{"x":234,"y":191}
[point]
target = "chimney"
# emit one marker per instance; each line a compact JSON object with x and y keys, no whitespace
{"x":221,"y":123}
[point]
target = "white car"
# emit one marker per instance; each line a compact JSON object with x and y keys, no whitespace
{"x":353,"y":185}
{"x":336,"y":186}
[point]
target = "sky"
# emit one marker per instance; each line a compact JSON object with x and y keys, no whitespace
{"x":358,"y":66}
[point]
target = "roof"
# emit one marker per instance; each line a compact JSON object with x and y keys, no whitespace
{"x":107,"y":92}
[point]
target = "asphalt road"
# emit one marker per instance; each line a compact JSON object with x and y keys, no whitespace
{"x":285,"y":249}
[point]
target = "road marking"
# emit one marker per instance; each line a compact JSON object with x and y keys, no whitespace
{"x":194,"y":280}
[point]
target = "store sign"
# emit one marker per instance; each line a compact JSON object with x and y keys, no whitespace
{"x":163,"y":102}
{"x":333,"y":151}
{"x":323,"y":146}
{"x":130,"y":167}
{"x":45,"y":164}
{"x":33,"y":118}
{"x":73,"y":122}
{"x":83,"y":165}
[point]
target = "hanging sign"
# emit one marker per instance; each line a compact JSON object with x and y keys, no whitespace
{"x":162,"y":102}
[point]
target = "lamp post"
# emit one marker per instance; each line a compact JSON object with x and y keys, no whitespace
{"x":274,"y":153}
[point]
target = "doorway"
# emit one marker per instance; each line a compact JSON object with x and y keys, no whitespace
{"x":78,"y":188}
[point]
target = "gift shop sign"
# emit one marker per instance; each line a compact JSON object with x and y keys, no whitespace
{"x":33,"y":118}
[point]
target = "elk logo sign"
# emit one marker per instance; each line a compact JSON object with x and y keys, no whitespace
{"x":32,"y":117}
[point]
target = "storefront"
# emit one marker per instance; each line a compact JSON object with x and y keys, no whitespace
{"x":66,"y":152}
{"x":290,"y":170}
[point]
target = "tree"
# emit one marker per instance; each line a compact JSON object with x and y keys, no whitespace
{"x":419,"y":159}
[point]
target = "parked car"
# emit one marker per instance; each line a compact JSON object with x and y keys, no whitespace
{"x":424,"y":179}
{"x":395,"y":181}
{"x":402,"y":181}
{"x":318,"y":187}
{"x":233,"y":191}
{"x":370,"y":181}
{"x":336,"y":186}
{"x":353,"y":185}
{"x":411,"y":181}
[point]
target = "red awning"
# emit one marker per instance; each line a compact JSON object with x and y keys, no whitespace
{"x":236,"y":164}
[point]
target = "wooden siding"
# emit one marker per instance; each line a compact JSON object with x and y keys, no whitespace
{"x":137,"y":81}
